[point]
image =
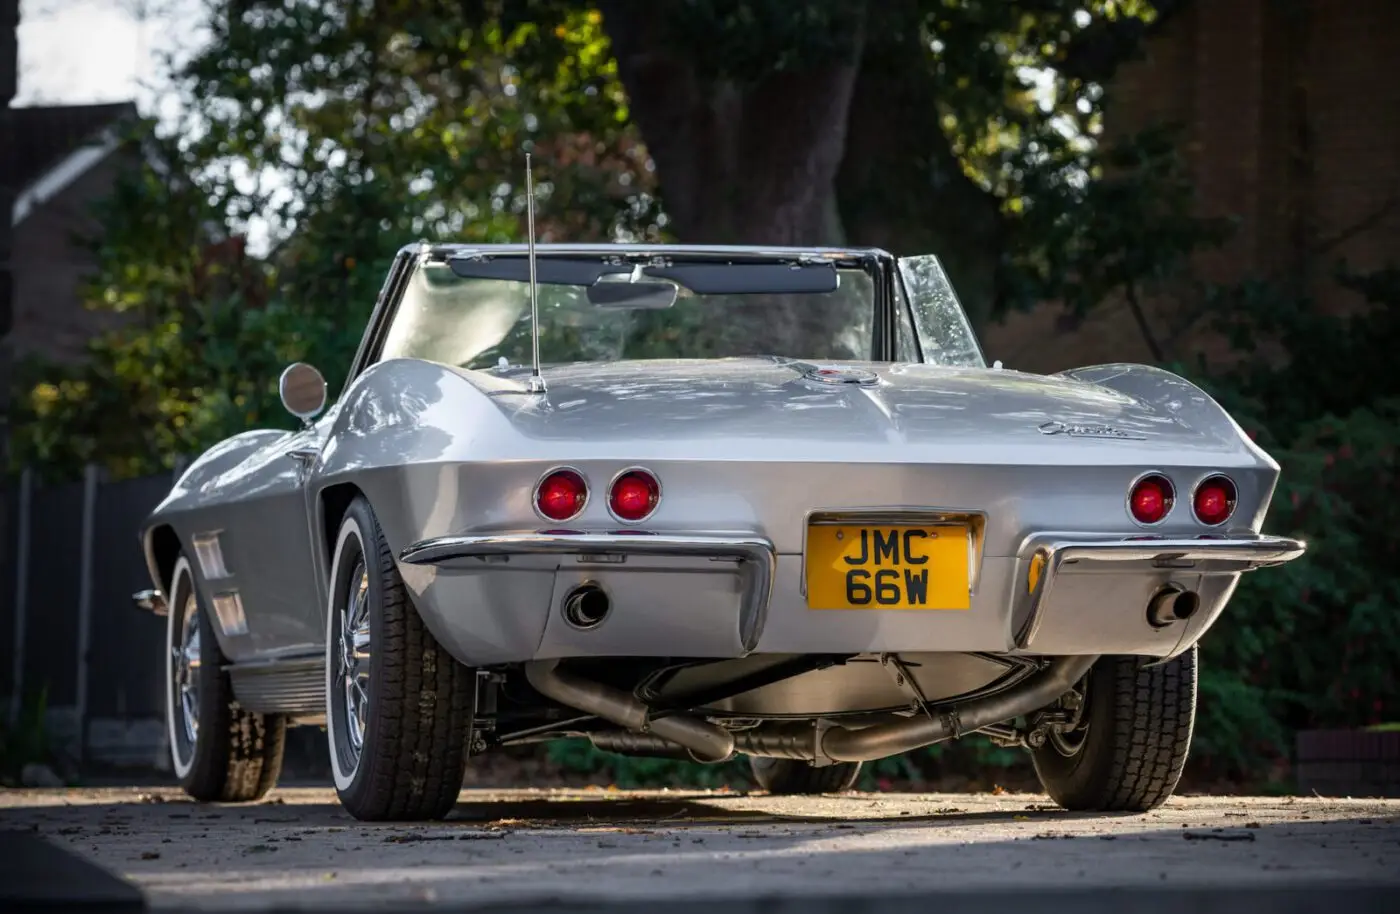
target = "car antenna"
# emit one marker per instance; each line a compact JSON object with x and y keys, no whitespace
{"x":536,"y":385}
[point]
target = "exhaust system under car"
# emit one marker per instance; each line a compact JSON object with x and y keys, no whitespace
{"x":708,"y":742}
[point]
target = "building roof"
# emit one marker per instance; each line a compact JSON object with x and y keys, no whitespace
{"x":51,"y":146}
{"x":45,"y":136}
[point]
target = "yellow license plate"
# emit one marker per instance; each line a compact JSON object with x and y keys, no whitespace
{"x":887,"y":567}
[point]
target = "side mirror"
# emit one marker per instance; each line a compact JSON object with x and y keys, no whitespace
{"x":303,"y":391}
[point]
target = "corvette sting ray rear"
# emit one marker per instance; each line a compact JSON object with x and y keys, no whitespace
{"x":700,"y":501}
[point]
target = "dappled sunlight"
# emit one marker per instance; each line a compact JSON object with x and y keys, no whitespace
{"x":299,"y":847}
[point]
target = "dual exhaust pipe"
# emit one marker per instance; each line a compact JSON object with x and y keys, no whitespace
{"x":588,"y":605}
{"x":708,"y":742}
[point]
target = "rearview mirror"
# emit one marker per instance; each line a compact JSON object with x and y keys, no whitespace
{"x":611,"y":294}
{"x":303,"y":391}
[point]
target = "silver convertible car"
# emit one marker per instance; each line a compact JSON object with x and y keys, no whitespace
{"x":707,"y":501}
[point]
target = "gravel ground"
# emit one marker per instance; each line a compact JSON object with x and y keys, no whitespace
{"x":299,"y":848}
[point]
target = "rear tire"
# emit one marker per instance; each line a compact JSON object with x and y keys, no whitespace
{"x":398,"y":706}
{"x":791,"y":777}
{"x":1130,"y":753}
{"x":221,"y":753}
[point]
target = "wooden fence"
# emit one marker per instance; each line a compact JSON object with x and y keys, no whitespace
{"x":68,"y":630}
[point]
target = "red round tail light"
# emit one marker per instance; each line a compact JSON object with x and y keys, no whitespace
{"x":1151,"y":499}
{"x":1214,"y":500}
{"x":634,"y":495}
{"x":561,"y":495}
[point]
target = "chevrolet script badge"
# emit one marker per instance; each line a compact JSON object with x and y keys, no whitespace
{"x":1089,"y":431}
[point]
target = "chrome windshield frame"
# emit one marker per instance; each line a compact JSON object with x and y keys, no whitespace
{"x":879,"y":264}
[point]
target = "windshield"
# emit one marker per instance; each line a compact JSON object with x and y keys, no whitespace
{"x":474,"y":313}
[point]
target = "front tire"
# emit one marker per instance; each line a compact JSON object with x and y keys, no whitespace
{"x":220,"y":752}
{"x":1129,"y":753}
{"x":398,"y":706}
{"x":792,"y":777}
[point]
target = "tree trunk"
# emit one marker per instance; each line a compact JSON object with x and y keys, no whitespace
{"x":901,"y":187}
{"x":743,"y":164}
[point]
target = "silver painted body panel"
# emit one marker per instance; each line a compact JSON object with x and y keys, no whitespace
{"x":748,"y":451}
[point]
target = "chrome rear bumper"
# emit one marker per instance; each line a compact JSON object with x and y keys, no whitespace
{"x":644,"y":568}
{"x":1050,"y":558}
{"x":502,"y":597}
{"x":739,"y":548}
{"x":1218,"y":555}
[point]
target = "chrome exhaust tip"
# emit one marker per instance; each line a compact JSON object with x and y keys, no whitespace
{"x":1173,"y":603}
{"x":586,"y":606}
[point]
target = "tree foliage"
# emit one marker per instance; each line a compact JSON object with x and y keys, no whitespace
{"x":346,"y":128}
{"x":347,"y":132}
{"x":1312,"y":644}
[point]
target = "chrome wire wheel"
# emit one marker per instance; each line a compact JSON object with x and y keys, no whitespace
{"x":349,"y":656}
{"x":354,"y":659}
{"x":187,"y":671}
{"x":183,"y":647}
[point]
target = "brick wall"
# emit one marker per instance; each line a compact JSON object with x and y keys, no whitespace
{"x":1354,"y":114}
{"x":50,"y":266}
{"x":1290,"y":116}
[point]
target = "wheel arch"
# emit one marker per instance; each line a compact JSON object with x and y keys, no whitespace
{"x":328,"y":509}
{"x":333,"y":501}
{"x":163,"y":549}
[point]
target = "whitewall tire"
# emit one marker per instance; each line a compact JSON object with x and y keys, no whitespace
{"x":398,"y":706}
{"x":220,"y":752}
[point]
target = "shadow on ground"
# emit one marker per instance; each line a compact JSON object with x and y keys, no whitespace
{"x":564,"y":811}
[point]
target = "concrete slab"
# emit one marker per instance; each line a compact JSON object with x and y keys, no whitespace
{"x":609,"y":847}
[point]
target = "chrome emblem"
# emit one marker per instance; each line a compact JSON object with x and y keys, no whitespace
{"x":1075,"y":430}
{"x":842,"y":375}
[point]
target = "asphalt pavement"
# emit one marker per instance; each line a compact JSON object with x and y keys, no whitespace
{"x":607,"y":849}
